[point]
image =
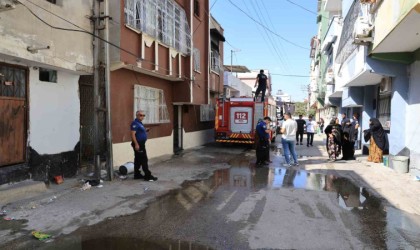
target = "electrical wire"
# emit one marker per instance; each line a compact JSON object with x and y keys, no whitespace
{"x":81,"y":30}
{"x":262,"y":19}
{"x":262,"y":25}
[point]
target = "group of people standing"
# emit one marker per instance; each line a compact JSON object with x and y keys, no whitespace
{"x":341,"y":137}
{"x":310,"y":130}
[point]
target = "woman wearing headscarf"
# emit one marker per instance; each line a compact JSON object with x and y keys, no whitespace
{"x":333,"y":132}
{"x":378,"y":140}
{"x":348,"y":139}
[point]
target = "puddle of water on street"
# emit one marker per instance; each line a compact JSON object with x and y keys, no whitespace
{"x":185,"y":213}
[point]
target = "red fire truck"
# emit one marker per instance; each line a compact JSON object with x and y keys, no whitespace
{"x":237,"y":117}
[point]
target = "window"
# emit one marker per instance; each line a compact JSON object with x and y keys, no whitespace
{"x":197,"y":8}
{"x":196,"y":55}
{"x":47,"y":75}
{"x":164,"y":20}
{"x":384,"y":111}
{"x":152,"y":101}
{"x":215,"y":61}
{"x":207,"y":112}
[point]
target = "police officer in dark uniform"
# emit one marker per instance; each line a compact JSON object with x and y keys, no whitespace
{"x":262,"y":81}
{"x":139,"y":138}
{"x":262,"y":140}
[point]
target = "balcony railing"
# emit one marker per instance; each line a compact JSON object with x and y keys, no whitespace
{"x":164,"y":20}
{"x":346,"y":45}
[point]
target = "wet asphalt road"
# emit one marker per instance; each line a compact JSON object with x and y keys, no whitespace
{"x":245,"y":207}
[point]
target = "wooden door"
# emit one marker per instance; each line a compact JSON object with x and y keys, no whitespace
{"x":13,"y":82}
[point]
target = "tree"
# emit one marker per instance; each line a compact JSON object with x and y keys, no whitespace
{"x":300,"y":109}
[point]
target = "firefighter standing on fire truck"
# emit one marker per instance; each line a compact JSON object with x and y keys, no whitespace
{"x":263,"y":85}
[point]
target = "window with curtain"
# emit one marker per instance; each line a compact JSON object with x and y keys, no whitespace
{"x":152,"y":102}
{"x":384,"y":111}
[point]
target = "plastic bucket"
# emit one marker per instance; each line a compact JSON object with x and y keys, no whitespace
{"x":385,"y":160}
{"x":400,"y":164}
{"x":126,"y":168}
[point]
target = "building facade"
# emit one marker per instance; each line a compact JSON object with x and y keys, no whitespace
{"x":172,"y":72}
{"x":374,"y":60}
{"x":43,"y":55}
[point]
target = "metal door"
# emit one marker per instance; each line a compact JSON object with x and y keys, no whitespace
{"x":241,"y":119}
{"x":13,"y":84}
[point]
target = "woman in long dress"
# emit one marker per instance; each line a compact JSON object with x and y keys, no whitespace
{"x":378,"y":140}
{"x":349,"y":134}
{"x":333,"y":132}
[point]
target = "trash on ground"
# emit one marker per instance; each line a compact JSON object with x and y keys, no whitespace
{"x":40,"y":236}
{"x":146,"y":188}
{"x":58,"y":179}
{"x":86,"y":186}
{"x":100,"y":186}
{"x":90,"y":174}
{"x":3,"y":213}
{"x":123,"y":177}
{"x":9,"y":218}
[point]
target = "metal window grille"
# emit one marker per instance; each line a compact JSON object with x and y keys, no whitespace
{"x":164,"y":20}
{"x":384,"y":111}
{"x":196,"y":55}
{"x":346,"y":45}
{"x":207,"y":112}
{"x":215,"y":60}
{"x":152,"y":101}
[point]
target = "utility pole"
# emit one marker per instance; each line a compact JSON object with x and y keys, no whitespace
{"x":109,"y":155}
{"x":96,"y":97}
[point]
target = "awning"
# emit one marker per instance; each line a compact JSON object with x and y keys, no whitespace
{"x":135,"y":68}
{"x":364,"y":78}
{"x":336,"y":94}
{"x":217,"y":34}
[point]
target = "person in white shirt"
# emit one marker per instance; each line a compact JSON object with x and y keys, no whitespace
{"x":310,"y":131}
{"x":288,"y":130}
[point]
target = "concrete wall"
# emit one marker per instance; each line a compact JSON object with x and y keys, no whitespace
{"x":412,"y":131}
{"x":123,"y":152}
{"x":197,"y":138}
{"x":68,"y":49}
{"x":389,"y":15}
{"x":399,"y":106}
{"x":54,"y":113}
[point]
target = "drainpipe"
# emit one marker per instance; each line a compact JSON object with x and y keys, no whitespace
{"x":192,"y":50}
{"x":110,"y":164}
{"x":208,"y":55}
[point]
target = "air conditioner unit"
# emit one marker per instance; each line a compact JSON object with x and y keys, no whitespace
{"x":385,"y":86}
{"x":228,"y":93}
{"x":361,"y":31}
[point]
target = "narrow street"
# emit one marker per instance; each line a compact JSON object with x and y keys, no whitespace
{"x":233,"y":205}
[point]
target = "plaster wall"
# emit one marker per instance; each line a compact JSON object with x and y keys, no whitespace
{"x":197,"y":138}
{"x":389,"y":15}
{"x":68,"y":50}
{"x":123,"y":152}
{"x":399,"y":108}
{"x":54,"y":113}
{"x":412,"y":131}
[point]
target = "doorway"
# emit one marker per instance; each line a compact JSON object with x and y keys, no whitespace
{"x":13,"y":113}
{"x":178,"y":129}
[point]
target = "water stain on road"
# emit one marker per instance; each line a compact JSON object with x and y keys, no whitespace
{"x":193,"y":217}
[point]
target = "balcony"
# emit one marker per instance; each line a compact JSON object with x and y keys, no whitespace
{"x":403,"y":29}
{"x":332,"y":5}
{"x":236,"y":85}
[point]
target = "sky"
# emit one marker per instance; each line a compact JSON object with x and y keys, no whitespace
{"x":258,"y":47}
